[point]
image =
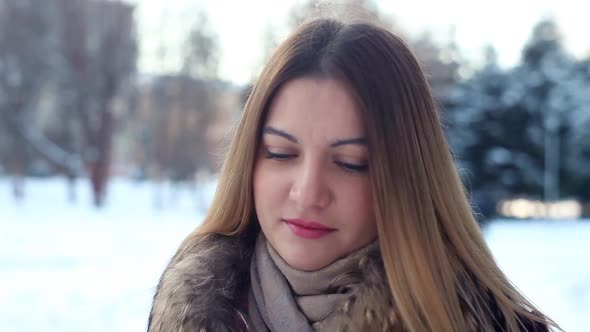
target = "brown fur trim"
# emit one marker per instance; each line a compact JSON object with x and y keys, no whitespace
{"x":370,"y":307}
{"x":199,"y":289}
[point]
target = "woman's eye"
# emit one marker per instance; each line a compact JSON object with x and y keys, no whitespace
{"x":278,"y":156}
{"x":357,"y":168}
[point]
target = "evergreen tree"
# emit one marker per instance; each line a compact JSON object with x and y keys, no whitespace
{"x":488,"y":130}
{"x":521,"y":132}
{"x":576,"y":163}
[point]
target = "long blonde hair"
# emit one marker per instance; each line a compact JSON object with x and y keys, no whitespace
{"x":436,"y":261}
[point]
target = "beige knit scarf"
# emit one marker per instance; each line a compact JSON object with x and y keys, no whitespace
{"x":286,"y":299}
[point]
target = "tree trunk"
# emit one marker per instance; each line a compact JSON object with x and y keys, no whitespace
{"x":18,"y":187}
{"x":99,"y":171}
{"x":98,"y":186}
{"x":17,"y":169}
{"x":71,"y":188}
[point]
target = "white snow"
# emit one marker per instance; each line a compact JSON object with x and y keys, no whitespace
{"x":72,"y":268}
{"x":550,"y":263}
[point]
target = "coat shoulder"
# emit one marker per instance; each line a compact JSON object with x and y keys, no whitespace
{"x":201,"y":286}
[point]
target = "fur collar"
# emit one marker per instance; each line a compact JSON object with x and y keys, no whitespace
{"x":202,"y":287}
{"x":200,"y":290}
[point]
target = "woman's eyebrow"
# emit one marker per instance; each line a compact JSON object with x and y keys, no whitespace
{"x":277,"y":132}
{"x":268,"y":130}
{"x":359,"y":141}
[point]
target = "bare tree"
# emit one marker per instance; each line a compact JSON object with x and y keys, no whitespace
{"x":179,"y":125}
{"x":98,"y":47}
{"x":183,"y":106}
{"x":200,"y":50}
{"x":348,"y":9}
{"x":176,"y":110}
{"x":26,"y":58}
{"x":441,"y":62}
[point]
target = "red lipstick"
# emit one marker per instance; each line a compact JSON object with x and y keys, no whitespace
{"x":308,"y":229}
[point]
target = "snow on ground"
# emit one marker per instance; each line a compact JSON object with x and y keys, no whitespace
{"x":550,"y":263}
{"x":72,"y":268}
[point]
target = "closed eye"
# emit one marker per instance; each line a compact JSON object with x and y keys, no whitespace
{"x":356,"y":168}
{"x":279,"y":156}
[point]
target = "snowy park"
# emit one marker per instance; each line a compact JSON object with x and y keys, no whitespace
{"x":142,"y":97}
{"x":69,"y":267}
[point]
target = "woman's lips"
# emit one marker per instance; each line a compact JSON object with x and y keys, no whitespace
{"x":308,"y":229}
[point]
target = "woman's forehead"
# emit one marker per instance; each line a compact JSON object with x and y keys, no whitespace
{"x":316,"y":104}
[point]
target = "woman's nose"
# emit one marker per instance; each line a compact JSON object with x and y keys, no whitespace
{"x":310,"y":187}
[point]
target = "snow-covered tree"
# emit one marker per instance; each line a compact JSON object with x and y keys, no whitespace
{"x":490,"y":131}
{"x":576,"y":163}
{"x":519,"y":132}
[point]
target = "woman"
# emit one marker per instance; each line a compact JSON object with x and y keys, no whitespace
{"x":339,"y":207}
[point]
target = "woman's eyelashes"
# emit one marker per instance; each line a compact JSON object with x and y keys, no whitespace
{"x":279,"y":156}
{"x":355,"y":168}
{"x":347,"y":166}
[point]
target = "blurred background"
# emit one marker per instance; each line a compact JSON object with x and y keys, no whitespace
{"x":114,"y":116}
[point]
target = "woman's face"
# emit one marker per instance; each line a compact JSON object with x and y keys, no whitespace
{"x":311,"y":184}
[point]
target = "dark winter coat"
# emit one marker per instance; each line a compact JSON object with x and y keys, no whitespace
{"x":205,"y":289}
